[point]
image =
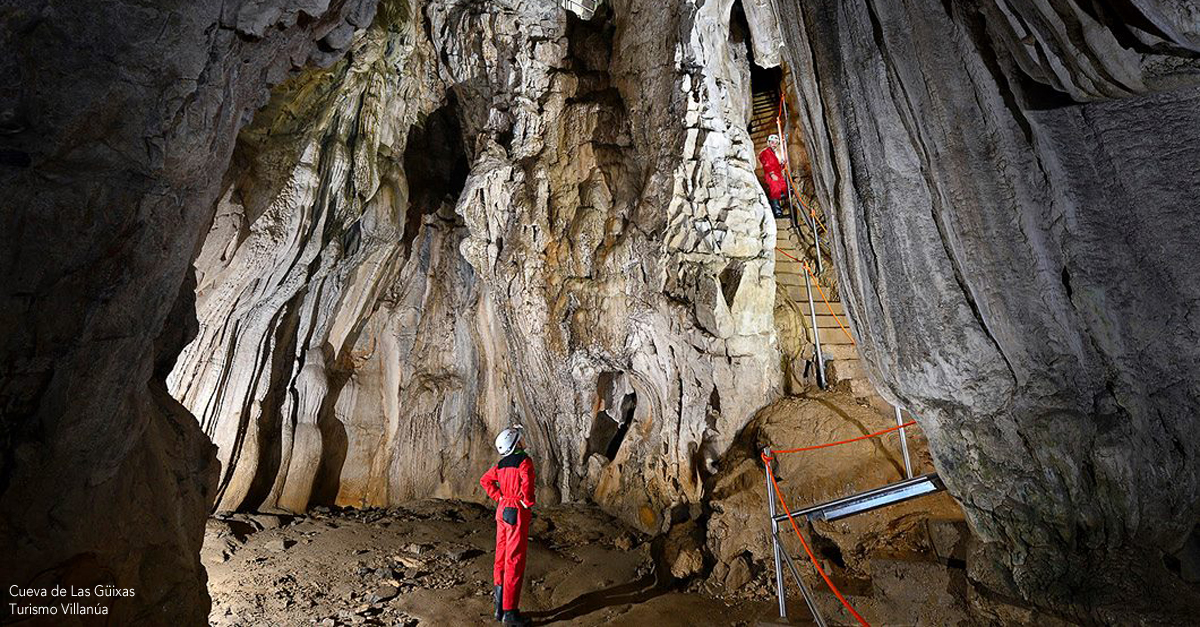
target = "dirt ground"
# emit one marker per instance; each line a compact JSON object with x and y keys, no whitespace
{"x":430,"y":564}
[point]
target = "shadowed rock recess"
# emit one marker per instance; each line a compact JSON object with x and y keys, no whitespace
{"x":265,"y":255}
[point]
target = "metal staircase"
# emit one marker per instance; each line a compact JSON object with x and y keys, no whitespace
{"x":836,"y":354}
{"x":796,"y":239}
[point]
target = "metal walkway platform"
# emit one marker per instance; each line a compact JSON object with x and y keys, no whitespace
{"x":862,"y":502}
{"x":870,"y":500}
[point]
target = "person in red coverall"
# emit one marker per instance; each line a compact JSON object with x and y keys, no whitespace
{"x":773,"y":168}
{"x":510,"y":484}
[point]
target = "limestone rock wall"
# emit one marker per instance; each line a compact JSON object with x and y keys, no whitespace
{"x":1012,"y":186}
{"x":593,"y":261}
{"x":310,"y":229}
{"x":117,"y":121}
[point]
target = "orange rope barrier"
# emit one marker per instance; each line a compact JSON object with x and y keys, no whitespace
{"x":812,"y":212}
{"x":787,"y":168}
{"x":827,"y":305}
{"x":807,"y":549}
{"x":861,"y":437}
{"x":817,"y":282}
{"x":787,"y":510}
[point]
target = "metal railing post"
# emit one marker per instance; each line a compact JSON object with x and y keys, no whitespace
{"x":817,"y":243}
{"x":908,"y":473}
{"x":808,"y":598}
{"x":775,"y":536}
{"x":812,"y":312}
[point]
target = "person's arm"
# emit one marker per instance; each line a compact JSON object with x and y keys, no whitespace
{"x":526,"y":483}
{"x":491,"y":484}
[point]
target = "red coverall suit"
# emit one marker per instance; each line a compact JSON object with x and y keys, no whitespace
{"x":510,"y":484}
{"x":776,"y":185}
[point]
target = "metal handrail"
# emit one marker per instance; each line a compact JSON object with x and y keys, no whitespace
{"x":908,"y":474}
{"x":812,"y":313}
{"x":792,"y":213}
{"x":780,"y":556}
{"x":862,"y":502}
{"x":926,"y":484}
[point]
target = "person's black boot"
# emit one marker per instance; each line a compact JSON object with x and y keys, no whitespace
{"x":513,"y":617}
{"x":498,"y":593}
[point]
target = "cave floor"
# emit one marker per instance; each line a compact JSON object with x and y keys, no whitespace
{"x":430,"y":563}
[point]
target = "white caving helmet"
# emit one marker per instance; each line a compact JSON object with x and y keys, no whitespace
{"x":773,"y":139}
{"x":508,"y":439}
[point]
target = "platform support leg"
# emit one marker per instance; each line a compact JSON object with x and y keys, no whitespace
{"x":908,"y":474}
{"x":775,"y":537}
{"x":808,"y":597}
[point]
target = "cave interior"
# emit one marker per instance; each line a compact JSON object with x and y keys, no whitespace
{"x":276,"y":276}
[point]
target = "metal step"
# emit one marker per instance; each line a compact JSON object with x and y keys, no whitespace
{"x":871,"y":499}
{"x":833,"y":336}
{"x":789,"y":278}
{"x":826,"y":321}
{"x":797,"y":294}
{"x":838,"y":351}
{"x":783,"y":265}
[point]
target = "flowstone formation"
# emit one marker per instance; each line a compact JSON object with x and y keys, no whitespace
{"x":490,"y":212}
{"x":1013,"y":185}
{"x":116,"y":123}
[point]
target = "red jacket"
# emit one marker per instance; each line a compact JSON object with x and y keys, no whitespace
{"x":776,"y":185}
{"x":510,"y":481}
